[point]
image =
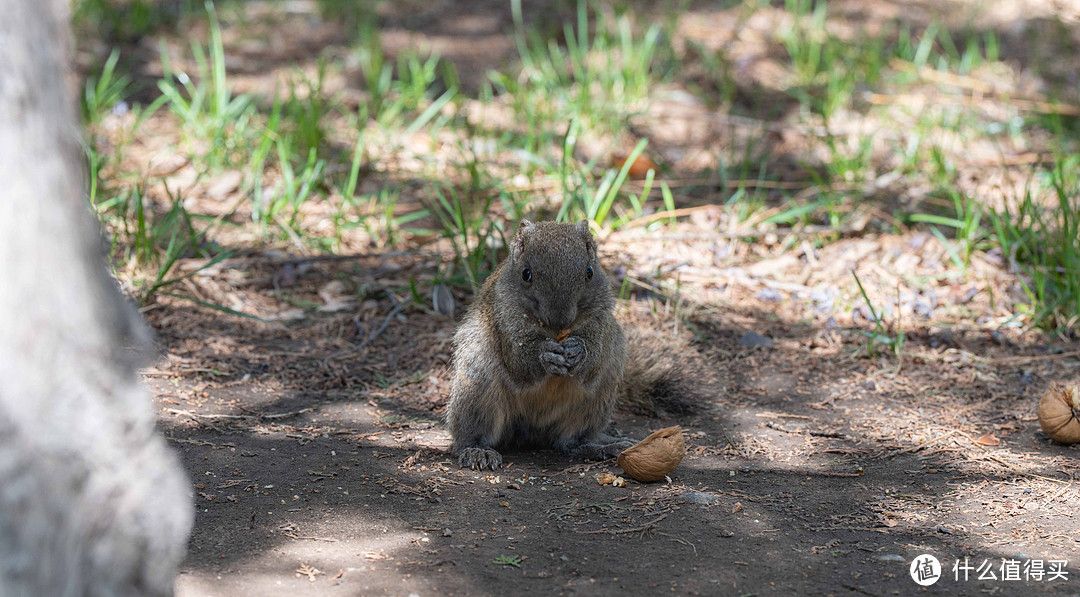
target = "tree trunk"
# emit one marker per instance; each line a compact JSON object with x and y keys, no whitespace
{"x":92,"y":502}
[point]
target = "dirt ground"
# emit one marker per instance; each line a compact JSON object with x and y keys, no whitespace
{"x":319,"y":469}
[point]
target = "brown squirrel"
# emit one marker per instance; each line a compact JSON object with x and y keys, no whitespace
{"x":539,"y":359}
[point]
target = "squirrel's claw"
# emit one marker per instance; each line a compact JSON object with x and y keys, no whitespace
{"x":574,"y":351}
{"x":555,"y":364}
{"x":479,"y":459}
{"x":562,"y":359}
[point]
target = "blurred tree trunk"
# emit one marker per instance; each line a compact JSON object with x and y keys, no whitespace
{"x":92,"y":502}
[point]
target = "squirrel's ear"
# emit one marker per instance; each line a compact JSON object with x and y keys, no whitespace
{"x":583,"y":228}
{"x":524,"y":231}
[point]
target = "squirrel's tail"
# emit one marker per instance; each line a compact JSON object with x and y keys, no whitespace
{"x":660,"y":377}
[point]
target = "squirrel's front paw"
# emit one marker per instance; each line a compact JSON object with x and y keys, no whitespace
{"x":479,"y":458}
{"x":563,"y":359}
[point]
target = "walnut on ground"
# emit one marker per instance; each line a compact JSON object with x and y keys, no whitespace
{"x":654,"y":457}
{"x":1059,"y":413}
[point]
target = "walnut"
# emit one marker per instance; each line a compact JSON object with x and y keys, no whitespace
{"x":654,"y":457}
{"x":1059,"y":413}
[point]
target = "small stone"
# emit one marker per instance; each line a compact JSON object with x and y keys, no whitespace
{"x":447,"y":533}
{"x":442,"y":300}
{"x":699,"y":497}
{"x":891,"y":557}
{"x":769,"y":295}
{"x":222,"y":186}
{"x":165,"y":165}
{"x":824,"y":300}
{"x":516,"y":486}
{"x":923,"y":308}
{"x":755,"y":340}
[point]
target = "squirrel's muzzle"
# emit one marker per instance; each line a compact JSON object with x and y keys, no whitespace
{"x":559,"y":318}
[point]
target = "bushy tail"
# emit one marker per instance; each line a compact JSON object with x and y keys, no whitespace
{"x":663,"y":375}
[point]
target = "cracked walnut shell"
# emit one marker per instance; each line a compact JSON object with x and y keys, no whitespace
{"x":654,"y":457}
{"x":1059,"y":413}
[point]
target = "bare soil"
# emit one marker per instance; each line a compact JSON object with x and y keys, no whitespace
{"x":811,"y":468}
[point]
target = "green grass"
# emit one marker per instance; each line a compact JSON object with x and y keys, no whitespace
{"x":103,"y":91}
{"x":597,"y":77}
{"x":1042,"y":241}
{"x":401,"y":160}
{"x":880,"y":336}
{"x":505,"y":560}
{"x":209,"y":111}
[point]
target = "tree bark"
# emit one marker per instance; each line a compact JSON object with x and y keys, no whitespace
{"x":92,"y":501}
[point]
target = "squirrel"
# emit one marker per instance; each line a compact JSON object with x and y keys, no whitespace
{"x":539,"y":358}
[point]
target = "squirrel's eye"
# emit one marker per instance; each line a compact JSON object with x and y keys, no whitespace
{"x":526,"y":274}
{"x":588,"y":272}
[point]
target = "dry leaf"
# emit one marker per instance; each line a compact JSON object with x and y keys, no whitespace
{"x":309,"y":571}
{"x":606,"y":479}
{"x":333,"y":293}
{"x":889,"y":522}
{"x":164,"y":165}
{"x":639,"y":169}
{"x":988,"y":440}
{"x":224,"y":184}
{"x":737,"y":507}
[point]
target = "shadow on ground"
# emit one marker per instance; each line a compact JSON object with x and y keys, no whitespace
{"x":807,"y":472}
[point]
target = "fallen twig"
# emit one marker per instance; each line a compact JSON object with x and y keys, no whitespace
{"x":769,"y":415}
{"x":927,"y":442}
{"x":197,"y":418}
{"x":176,"y":411}
{"x":371,"y":338}
{"x":641,"y":529}
{"x":1032,"y":358}
{"x":186,"y":413}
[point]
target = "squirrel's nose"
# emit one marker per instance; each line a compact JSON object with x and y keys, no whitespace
{"x":560,"y":319}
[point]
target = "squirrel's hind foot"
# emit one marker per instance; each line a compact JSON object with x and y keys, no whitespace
{"x":601,"y":448}
{"x":479,"y":458}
